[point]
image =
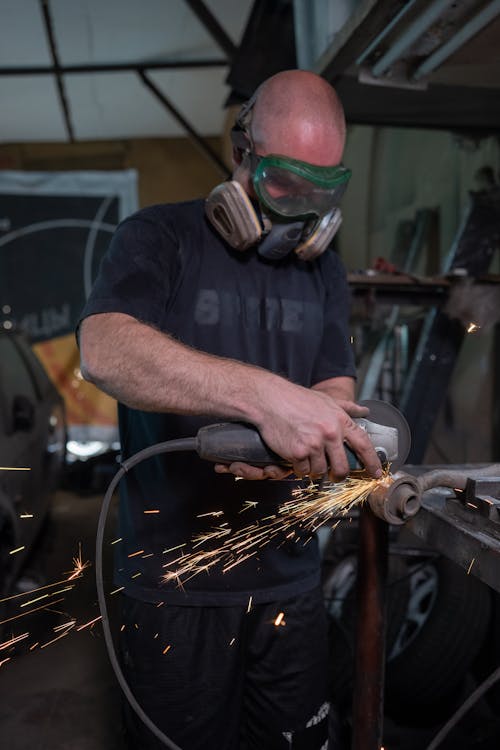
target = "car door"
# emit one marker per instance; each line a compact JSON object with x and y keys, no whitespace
{"x":19,"y":439}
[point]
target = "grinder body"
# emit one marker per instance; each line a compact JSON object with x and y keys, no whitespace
{"x":229,"y":442}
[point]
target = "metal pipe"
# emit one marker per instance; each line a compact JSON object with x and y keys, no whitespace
{"x":370,"y":632}
{"x":412,"y":32}
{"x":43,"y":70}
{"x":472,"y":27}
{"x":454,"y":478}
{"x":213,"y":27}
{"x":385,"y":31}
{"x":401,"y":500}
{"x":196,"y":137}
{"x":61,"y":89}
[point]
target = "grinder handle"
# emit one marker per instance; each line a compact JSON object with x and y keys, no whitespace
{"x":227,"y":442}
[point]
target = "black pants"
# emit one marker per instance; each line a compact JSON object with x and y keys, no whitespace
{"x":223,"y":678}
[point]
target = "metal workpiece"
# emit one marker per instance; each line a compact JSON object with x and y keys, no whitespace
{"x":400,"y":500}
{"x":460,"y":517}
{"x":455,"y":478}
{"x":397,"y":502}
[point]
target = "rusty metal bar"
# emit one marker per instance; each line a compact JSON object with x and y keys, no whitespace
{"x":196,"y":137}
{"x":369,"y":665}
{"x":61,"y":89}
{"x":213,"y":27}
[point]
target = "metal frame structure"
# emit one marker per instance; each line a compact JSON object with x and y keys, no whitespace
{"x":58,"y":70}
{"x":362,"y":54}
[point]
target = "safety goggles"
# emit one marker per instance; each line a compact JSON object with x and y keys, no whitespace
{"x":296,"y":189}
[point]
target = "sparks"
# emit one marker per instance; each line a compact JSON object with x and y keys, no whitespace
{"x":62,"y":591}
{"x":12,"y":641}
{"x":473,"y":327}
{"x":470,"y":566}
{"x":166,"y":649}
{"x":171,"y":549}
{"x":89,"y":624}
{"x":78,"y":565}
{"x":58,"y":638}
{"x":23,"y":614}
{"x":70,"y":624}
{"x":309,"y":508}
{"x":32,"y":601}
{"x":280,"y":619}
{"x":32,"y":591}
{"x":151,"y":511}
{"x":14,"y":551}
{"x":249,"y":504}
{"x":15,"y":468}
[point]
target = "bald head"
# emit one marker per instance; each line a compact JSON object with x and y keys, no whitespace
{"x":298,"y":114}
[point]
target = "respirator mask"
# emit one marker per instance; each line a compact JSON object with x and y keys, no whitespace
{"x":296,"y":207}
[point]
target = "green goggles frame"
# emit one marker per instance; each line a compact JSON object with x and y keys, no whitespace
{"x":327,"y":178}
{"x":332,"y":180}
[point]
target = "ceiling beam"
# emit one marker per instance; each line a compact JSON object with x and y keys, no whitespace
{"x":110,"y":67}
{"x":369,"y":20}
{"x":202,"y":144}
{"x":472,"y":110}
{"x":213,"y":27}
{"x":61,"y":89}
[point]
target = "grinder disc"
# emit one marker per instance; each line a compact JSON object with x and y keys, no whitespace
{"x":383,"y":413}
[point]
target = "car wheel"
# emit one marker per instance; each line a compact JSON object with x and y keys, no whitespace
{"x":441,"y":634}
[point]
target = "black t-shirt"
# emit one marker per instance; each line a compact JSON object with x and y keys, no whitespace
{"x":167,"y":267}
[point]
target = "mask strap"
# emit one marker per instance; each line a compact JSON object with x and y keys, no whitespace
{"x":240,"y":132}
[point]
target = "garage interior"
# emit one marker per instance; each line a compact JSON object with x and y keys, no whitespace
{"x":108,"y":106}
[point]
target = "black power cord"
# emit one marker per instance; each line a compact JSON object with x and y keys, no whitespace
{"x":464,"y":708}
{"x":171,"y":446}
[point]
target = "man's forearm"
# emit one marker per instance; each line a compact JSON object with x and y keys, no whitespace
{"x":149,"y":370}
{"x":341,"y":388}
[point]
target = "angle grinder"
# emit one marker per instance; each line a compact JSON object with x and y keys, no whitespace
{"x":228,"y":442}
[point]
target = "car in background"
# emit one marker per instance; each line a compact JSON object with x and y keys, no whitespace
{"x":32,"y":451}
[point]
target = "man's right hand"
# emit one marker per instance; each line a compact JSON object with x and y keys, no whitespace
{"x":310,"y":428}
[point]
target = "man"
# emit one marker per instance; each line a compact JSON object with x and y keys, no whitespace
{"x":233,"y":310}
